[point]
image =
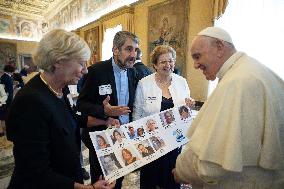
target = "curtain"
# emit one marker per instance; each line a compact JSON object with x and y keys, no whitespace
{"x":219,"y":7}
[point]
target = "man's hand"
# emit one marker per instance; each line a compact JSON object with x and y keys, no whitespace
{"x":114,"y":110}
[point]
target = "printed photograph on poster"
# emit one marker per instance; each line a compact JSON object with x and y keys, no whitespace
{"x":129,"y":155}
{"x":140,"y":132}
{"x":157,"y":142}
{"x":145,"y":148}
{"x":109,"y":163}
{"x":101,"y":141}
{"x":184,"y":112}
{"x":135,"y":131}
{"x":151,"y":125}
{"x":118,"y":137}
{"x":131,"y":131}
{"x":167,"y":118}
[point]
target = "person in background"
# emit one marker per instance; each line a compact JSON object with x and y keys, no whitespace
{"x":3,"y":99}
{"x":108,"y":91}
{"x":237,"y":138}
{"x":158,"y":92}
{"x":41,"y":123}
{"x":7,"y":80}
{"x":142,"y":70}
{"x":3,"y":95}
{"x":18,"y":82}
{"x":24,"y":71}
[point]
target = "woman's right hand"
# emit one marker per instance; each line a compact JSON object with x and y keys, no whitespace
{"x":103,"y":184}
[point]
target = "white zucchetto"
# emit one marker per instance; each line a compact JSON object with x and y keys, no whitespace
{"x":216,"y":32}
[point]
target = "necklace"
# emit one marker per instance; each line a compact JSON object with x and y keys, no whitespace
{"x":58,"y":94}
{"x":162,"y":83}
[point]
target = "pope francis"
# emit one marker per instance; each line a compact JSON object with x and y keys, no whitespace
{"x":237,"y":139}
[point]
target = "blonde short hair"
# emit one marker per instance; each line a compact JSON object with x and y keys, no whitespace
{"x":159,"y":50}
{"x":59,"y":45}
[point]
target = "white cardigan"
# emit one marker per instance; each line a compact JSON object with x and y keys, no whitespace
{"x":148,"y":95}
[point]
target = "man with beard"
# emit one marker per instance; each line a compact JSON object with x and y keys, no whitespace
{"x":108,"y":91}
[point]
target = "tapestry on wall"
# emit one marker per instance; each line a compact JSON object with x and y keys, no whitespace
{"x":8,"y":54}
{"x":92,"y":39}
{"x":167,"y":24}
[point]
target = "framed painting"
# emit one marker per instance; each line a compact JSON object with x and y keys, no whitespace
{"x":92,"y":38}
{"x":8,"y":54}
{"x":167,"y":25}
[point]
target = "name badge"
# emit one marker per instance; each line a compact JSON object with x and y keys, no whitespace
{"x":105,"y":89}
{"x":151,"y":99}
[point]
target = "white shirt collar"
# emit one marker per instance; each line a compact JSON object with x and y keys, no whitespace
{"x":228,"y":64}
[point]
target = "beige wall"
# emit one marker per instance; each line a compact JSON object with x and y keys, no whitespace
{"x":200,"y":17}
{"x":23,"y":47}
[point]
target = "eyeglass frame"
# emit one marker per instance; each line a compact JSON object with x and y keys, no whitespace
{"x":171,"y":61}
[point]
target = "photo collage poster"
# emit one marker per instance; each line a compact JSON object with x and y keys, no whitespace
{"x":133,"y":145}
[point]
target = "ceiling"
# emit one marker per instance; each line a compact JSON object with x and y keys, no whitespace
{"x":34,"y":9}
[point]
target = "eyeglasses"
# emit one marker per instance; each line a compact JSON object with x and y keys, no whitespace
{"x":171,"y":61}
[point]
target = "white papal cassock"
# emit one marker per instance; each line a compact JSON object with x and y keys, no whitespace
{"x":237,"y":139}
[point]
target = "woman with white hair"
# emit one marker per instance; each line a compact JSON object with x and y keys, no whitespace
{"x":41,"y":123}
